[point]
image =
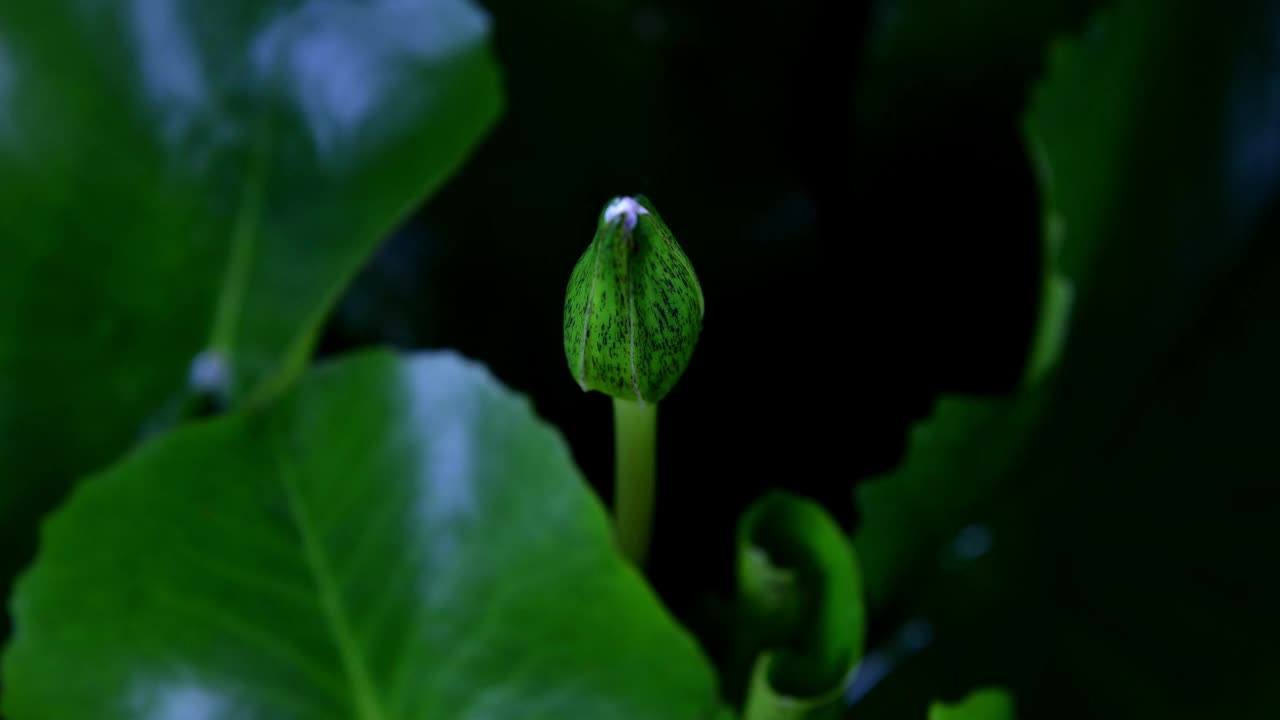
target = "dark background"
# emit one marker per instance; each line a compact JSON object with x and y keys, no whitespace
{"x":859,"y":203}
{"x":859,"y":251}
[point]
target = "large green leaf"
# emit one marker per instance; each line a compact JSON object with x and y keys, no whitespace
{"x":395,"y":539}
{"x":1130,"y":523}
{"x":179,"y":177}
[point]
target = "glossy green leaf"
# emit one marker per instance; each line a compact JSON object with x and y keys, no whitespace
{"x":1123,"y":494}
{"x":801,"y":618}
{"x":985,"y":704}
{"x":180,"y":177}
{"x":396,"y":538}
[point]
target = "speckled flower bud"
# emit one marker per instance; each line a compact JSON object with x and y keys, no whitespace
{"x":633,"y":308}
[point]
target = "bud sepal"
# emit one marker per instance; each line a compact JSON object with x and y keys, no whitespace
{"x":633,"y":307}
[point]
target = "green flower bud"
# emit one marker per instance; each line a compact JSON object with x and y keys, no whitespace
{"x":633,"y":308}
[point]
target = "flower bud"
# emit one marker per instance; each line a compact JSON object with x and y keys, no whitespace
{"x":633,"y":308}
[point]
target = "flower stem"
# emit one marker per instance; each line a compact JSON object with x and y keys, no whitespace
{"x":635,"y":428}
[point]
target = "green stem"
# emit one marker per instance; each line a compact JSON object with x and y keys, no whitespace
{"x":635,"y":428}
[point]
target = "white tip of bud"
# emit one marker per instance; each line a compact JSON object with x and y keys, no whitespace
{"x":627,"y":209}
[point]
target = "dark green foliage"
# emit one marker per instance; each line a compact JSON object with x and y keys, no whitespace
{"x":1071,"y":241}
{"x":1126,"y":495}
{"x":986,"y":704}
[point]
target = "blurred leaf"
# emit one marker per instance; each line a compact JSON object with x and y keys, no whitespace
{"x":978,"y":47}
{"x":801,"y":617}
{"x":985,"y":704}
{"x":177,"y":177}
{"x":955,"y":458}
{"x":917,"y":504}
{"x":1131,"y":514}
{"x":942,"y":86}
{"x":1057,"y":293}
{"x":395,"y":539}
